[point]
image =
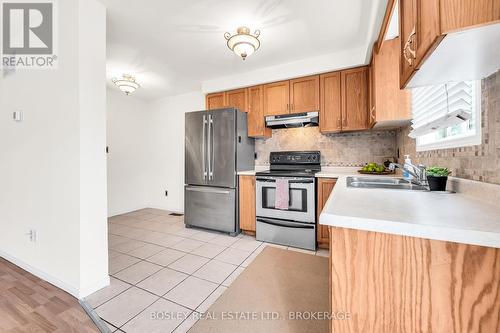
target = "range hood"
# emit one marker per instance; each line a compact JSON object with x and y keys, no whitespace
{"x":306,"y":119}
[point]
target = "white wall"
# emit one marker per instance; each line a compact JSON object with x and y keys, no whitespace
{"x":92,"y":101}
{"x":166,"y":142}
{"x":303,"y":67}
{"x":46,"y":158}
{"x":127,"y":138}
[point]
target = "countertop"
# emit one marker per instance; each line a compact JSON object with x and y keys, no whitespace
{"x":430,"y":215}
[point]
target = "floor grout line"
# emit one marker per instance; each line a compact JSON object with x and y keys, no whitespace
{"x":218,"y":285}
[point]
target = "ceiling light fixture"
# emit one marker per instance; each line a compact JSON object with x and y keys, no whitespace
{"x":243,"y":43}
{"x":126,"y":83}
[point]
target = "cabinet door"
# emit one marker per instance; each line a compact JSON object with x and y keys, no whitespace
{"x":247,"y":203}
{"x":277,"y":98}
{"x":355,"y":99}
{"x":256,"y":122}
{"x":419,"y":26}
{"x":330,"y":112}
{"x":407,"y":31}
{"x":237,"y":99}
{"x":390,"y":102}
{"x":325,"y":187}
{"x":304,"y":94}
{"x":459,"y":14}
{"x":428,"y":29}
{"x":371,"y":92}
{"x":215,"y":101}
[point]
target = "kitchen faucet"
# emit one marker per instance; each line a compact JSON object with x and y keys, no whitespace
{"x":417,"y":171}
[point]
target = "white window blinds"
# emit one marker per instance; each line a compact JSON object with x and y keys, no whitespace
{"x":441,"y":106}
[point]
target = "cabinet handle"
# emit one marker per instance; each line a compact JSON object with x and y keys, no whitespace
{"x":408,"y":53}
{"x":372,"y":113}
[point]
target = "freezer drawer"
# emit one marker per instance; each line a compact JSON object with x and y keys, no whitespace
{"x":286,"y":233}
{"x":211,"y":208}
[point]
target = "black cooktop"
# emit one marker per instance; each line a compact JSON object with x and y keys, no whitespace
{"x":293,"y":164}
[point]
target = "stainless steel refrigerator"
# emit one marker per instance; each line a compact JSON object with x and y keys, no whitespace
{"x":217,"y":146}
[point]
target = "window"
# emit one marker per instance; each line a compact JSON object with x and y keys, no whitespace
{"x":447,"y":116}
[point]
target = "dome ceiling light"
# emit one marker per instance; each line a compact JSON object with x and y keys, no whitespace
{"x":243,"y":43}
{"x":126,"y":83}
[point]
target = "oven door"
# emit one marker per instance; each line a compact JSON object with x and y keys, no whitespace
{"x":301,"y":205}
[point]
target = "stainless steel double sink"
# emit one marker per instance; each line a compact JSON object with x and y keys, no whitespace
{"x":384,"y":183}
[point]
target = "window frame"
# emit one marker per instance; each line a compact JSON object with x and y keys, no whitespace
{"x":460,"y":141}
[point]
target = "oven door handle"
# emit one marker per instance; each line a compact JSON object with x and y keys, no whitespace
{"x":286,"y":224}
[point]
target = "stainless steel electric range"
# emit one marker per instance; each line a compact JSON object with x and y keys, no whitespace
{"x":296,"y":225}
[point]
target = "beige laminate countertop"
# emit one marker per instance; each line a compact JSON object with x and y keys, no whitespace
{"x":431,"y":215}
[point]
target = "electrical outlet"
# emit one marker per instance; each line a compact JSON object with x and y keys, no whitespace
{"x":32,"y":235}
{"x":166,"y":193}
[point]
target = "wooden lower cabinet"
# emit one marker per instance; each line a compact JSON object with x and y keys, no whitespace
{"x":247,"y":203}
{"x":325,"y":187}
{"x":392,"y":283}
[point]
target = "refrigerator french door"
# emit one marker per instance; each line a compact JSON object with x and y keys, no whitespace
{"x":216,"y":147}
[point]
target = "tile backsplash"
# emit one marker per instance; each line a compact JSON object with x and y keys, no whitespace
{"x":343,"y":149}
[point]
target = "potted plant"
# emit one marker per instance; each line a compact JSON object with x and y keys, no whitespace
{"x":437,"y":178}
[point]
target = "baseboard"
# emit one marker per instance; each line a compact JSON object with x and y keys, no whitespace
{"x":175,"y":210}
{"x":120,"y":212}
{"x":41,"y":274}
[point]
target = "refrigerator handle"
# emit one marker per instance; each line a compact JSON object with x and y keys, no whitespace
{"x":210,"y":147}
{"x":204,"y":165}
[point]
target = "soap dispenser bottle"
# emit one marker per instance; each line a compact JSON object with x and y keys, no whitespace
{"x":407,"y":165}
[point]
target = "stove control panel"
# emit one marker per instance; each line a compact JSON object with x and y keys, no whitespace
{"x":295,"y":157}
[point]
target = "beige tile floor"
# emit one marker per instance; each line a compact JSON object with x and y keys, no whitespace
{"x":158,"y":267}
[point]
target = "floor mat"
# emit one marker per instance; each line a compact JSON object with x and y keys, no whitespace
{"x":281,"y":291}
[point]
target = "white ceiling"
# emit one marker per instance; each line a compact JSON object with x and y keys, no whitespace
{"x":174,"y":46}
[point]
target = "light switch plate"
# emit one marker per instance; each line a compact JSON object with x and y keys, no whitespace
{"x":17,"y":115}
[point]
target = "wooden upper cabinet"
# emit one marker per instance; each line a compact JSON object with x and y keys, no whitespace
{"x":330,"y":114}
{"x":237,"y":99}
{"x":407,"y":31}
{"x":325,"y":187}
{"x":276,"y":98}
{"x":419,"y":33}
{"x":388,"y":103}
{"x":457,"y":14}
{"x":423,"y":24}
{"x":256,"y":121}
{"x":247,"y":203}
{"x":215,"y":101}
{"x":371,"y":93}
{"x":354,"y":99}
{"x":304,"y":94}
